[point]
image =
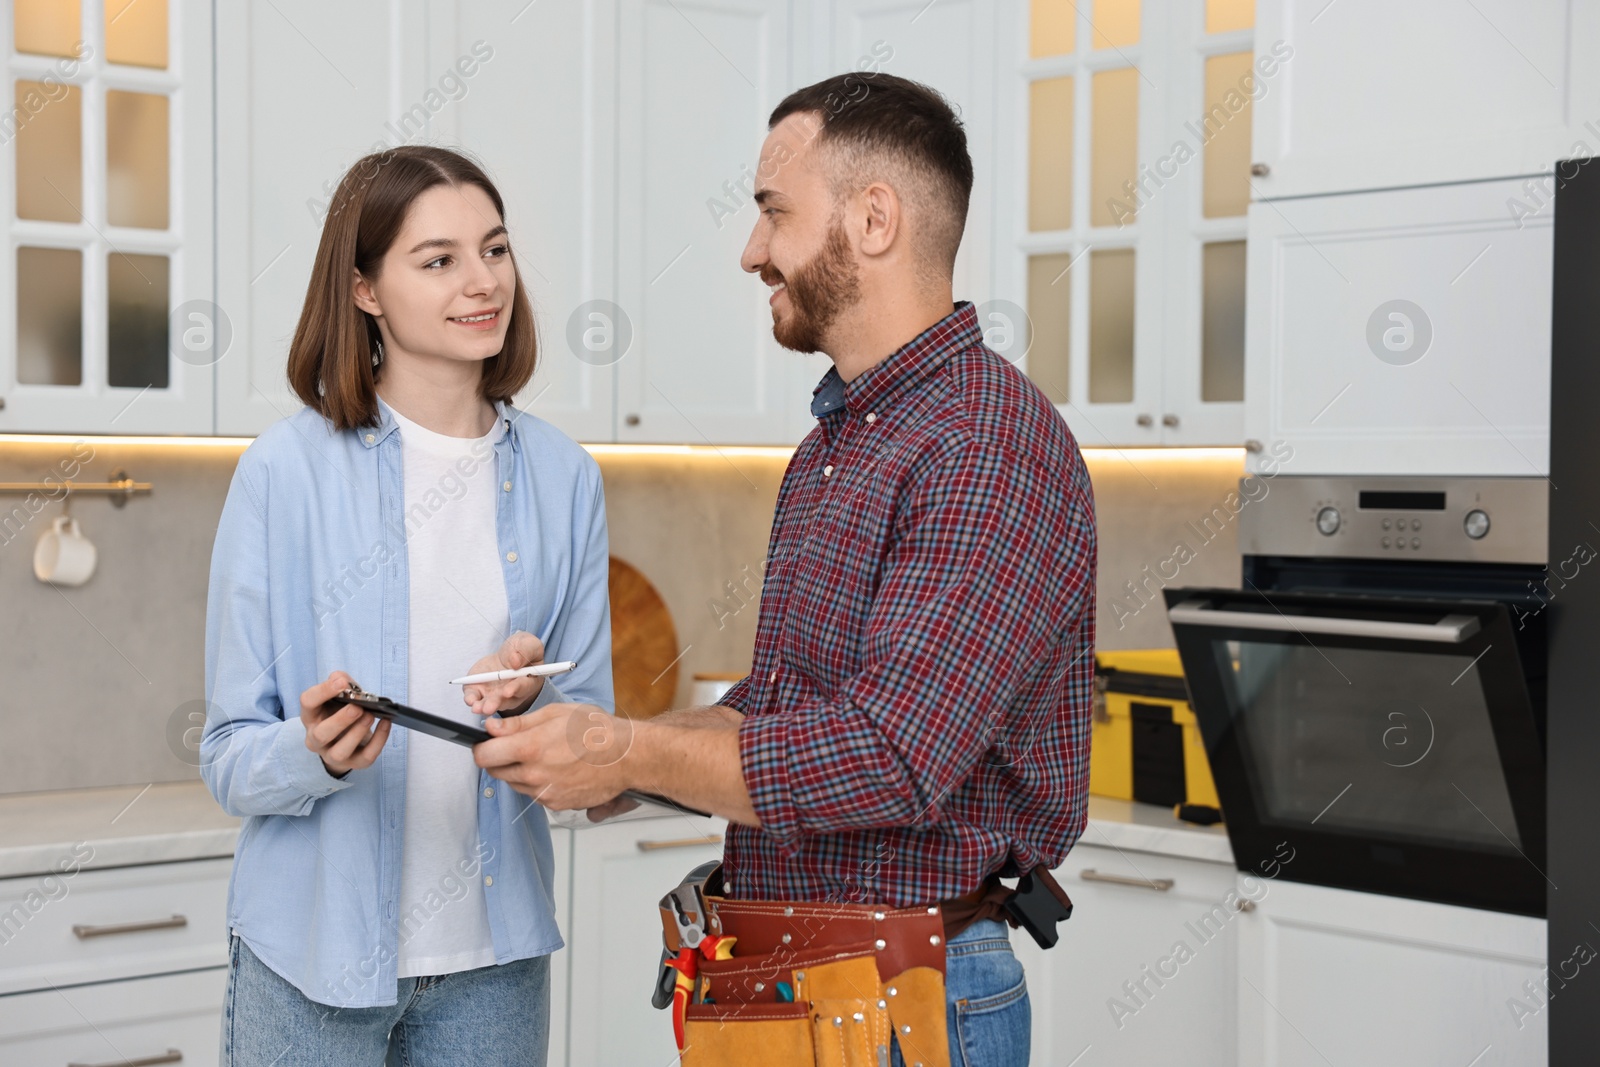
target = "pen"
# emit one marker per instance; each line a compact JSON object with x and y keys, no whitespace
{"x":540,"y":670}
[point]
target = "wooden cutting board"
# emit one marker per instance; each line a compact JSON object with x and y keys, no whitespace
{"x":644,"y":645}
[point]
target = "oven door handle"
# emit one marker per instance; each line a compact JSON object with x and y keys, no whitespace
{"x":1452,"y":629}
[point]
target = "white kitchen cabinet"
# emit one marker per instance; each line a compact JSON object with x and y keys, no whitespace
{"x":1378,"y":95}
{"x":1115,"y":983}
{"x":620,"y":871}
{"x":1334,"y":976}
{"x":551,"y":81}
{"x":121,"y":922}
{"x":114,"y":964}
{"x":696,"y":86}
{"x":1400,"y":332}
{"x":1120,"y":222}
{"x":304,"y":89}
{"x":106,"y":295}
{"x":174,"y":1018}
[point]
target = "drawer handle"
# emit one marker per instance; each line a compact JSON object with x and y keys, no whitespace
{"x":680,"y":842}
{"x":1159,"y":884}
{"x":172,"y":1055}
{"x":86,"y":931}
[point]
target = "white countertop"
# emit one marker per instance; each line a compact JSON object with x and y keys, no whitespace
{"x":122,"y":825}
{"x":125,"y":825}
{"x":1127,"y":824}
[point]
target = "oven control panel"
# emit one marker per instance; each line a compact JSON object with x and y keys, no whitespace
{"x":1502,"y":520}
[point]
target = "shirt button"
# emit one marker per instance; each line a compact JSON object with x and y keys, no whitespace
{"x":507,"y":487}
{"x":872,"y":416}
{"x":488,"y":879}
{"x":489,"y":791}
{"x":511,"y":557}
{"x":772,"y":678}
{"x":827,"y":470}
{"x":371,"y":438}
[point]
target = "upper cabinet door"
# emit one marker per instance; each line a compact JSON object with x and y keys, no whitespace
{"x":304,"y":89}
{"x":536,"y":112}
{"x":697,"y":84}
{"x":1375,"y":94}
{"x":1401,"y":332}
{"x":107,"y":311}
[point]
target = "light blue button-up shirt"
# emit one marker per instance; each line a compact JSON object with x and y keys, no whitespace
{"x":309,"y":576}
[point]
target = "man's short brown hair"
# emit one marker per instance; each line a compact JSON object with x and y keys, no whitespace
{"x":877,"y":127}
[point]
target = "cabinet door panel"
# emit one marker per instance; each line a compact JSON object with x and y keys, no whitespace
{"x":1115,"y":980}
{"x":1374,"y":95}
{"x":697,"y":84}
{"x":620,"y":873}
{"x":1401,"y":332}
{"x":537,"y":114}
{"x":143,"y":1020}
{"x":1333,"y":976}
{"x":132,"y":230}
{"x":304,"y":89}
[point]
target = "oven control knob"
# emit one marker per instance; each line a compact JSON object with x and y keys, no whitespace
{"x":1328,"y":521}
{"x":1477,"y":523}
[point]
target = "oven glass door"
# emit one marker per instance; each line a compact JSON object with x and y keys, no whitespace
{"x":1389,"y":741}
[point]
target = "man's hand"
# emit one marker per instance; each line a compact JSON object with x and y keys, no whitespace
{"x":509,"y":697}
{"x":340,"y":735}
{"x":565,"y":756}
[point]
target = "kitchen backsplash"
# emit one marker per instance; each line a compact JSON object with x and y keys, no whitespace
{"x":102,"y":681}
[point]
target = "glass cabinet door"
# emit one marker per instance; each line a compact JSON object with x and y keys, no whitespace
{"x":106,"y":279}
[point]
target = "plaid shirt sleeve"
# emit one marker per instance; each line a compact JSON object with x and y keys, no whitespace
{"x":989,"y":567}
{"x":737,"y":697}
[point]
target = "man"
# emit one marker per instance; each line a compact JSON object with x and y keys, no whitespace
{"x":917,"y":717}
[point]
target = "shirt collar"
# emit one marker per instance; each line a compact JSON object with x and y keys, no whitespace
{"x":904,"y":368}
{"x":371,"y":437}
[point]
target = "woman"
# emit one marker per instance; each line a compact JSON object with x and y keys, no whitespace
{"x":387,"y":896}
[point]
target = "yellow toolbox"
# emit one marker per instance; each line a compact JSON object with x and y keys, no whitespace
{"x":1146,"y":742}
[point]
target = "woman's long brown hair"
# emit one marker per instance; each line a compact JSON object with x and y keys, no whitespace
{"x":330,"y":359}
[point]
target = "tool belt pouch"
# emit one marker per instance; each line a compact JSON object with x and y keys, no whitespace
{"x":789,"y":1004}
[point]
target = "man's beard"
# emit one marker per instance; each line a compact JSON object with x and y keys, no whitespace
{"x":818,"y":292}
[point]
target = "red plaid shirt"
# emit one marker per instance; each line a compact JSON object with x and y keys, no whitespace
{"x":918,"y":710}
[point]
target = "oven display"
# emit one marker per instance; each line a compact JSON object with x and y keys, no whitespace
{"x":1399,"y":500}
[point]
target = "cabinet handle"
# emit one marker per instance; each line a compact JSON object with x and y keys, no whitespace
{"x":679,"y":842}
{"x":1247,"y":905}
{"x":1159,"y":884}
{"x":1252,"y":445}
{"x":1169,"y":420}
{"x":1145,"y":420}
{"x":632,"y":420}
{"x":172,"y":1055}
{"x":85,"y":931}
{"x":2,"y":403}
{"x":1259,"y":170}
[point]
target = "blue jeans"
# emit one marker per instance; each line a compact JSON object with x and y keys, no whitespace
{"x":491,"y":1015}
{"x":986,"y":997}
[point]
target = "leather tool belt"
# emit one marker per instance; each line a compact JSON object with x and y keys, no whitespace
{"x":801,"y":984}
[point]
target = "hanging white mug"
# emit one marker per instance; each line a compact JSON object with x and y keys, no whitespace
{"x":63,"y":555}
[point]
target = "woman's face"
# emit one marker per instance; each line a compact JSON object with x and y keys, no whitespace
{"x":444,"y":291}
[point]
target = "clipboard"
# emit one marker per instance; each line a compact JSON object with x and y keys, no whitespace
{"x":467,"y":735}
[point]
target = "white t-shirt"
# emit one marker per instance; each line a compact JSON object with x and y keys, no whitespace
{"x":458,"y":615}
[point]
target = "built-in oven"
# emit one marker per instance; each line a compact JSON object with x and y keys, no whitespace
{"x":1375,"y":692}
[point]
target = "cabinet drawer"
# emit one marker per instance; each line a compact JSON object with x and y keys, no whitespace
{"x":142,"y":1020}
{"x":124,"y":923}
